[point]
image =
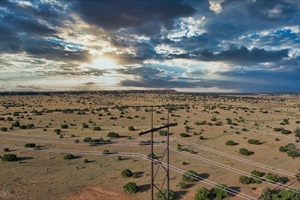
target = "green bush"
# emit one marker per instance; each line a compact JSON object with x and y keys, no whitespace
{"x":69,"y":156}
{"x":87,"y":139}
{"x":97,"y":128}
{"x":126,"y":173}
{"x":130,"y":187}
{"x":203,"y":194}
{"x":9,"y":157}
{"x":272,"y":177}
{"x":6,"y":149}
{"x":182,"y":185}
{"x":163,"y":195}
{"x":64,"y":126}
{"x":220,"y":191}
{"x":113,"y":135}
{"x":23,"y":126}
{"x":105,"y":151}
{"x":244,"y":151}
{"x":85,"y":126}
{"x":15,"y":124}
{"x":131,"y":128}
{"x":246,"y":180}
{"x":256,"y":173}
{"x":163,"y":132}
{"x":254,"y":141}
{"x":3,"y":129}
{"x":29,"y":145}
{"x":293,"y":153}
{"x":190,"y":176}
{"x":57,"y":131}
{"x":231,"y":143}
{"x":184,"y":135}
{"x":284,"y":131}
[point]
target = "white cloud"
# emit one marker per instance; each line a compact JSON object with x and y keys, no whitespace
{"x":215,"y":5}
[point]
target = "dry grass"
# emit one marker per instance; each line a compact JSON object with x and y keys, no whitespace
{"x":44,"y":174}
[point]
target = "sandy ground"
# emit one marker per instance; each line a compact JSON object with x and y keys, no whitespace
{"x":96,"y":193}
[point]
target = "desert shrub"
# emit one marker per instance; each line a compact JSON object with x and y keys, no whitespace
{"x":73,"y":135}
{"x":293,"y":153}
{"x":163,"y":195}
{"x":284,"y":131}
{"x":266,"y":194}
{"x":105,"y":151}
{"x":244,"y":151}
{"x":15,"y":124}
{"x":126,"y":173}
{"x":9,"y":157}
{"x":87,"y":139}
{"x":113,"y":135}
{"x":202,"y":137}
{"x":203,"y":194}
{"x":272,"y":177}
{"x":61,"y":136}
{"x":163,"y":132}
{"x":29,"y":145}
{"x":220,"y":191}
{"x":298,"y":176}
{"x":131,"y":128}
{"x":130,"y":187}
{"x":189,"y":176}
{"x":23,"y":126}
{"x":97,"y":128}
{"x":254,"y":141}
{"x":3,"y":129}
{"x":86,"y":161}
{"x":184,"y":163}
{"x":85,"y":126}
{"x":276,"y":129}
{"x":231,"y":143}
{"x":256,"y":173}
{"x":30,"y":126}
{"x":64,"y":126}
{"x":76,"y":141}
{"x":6,"y":149}
{"x":182,"y":185}
{"x":184,"y":135}
{"x":246,"y":180}
{"x":69,"y":156}
{"x":57,"y":131}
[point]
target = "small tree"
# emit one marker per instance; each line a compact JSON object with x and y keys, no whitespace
{"x":64,"y":126}
{"x":69,"y":156}
{"x":131,"y":128}
{"x":163,"y":195}
{"x":9,"y":157}
{"x":202,"y":194}
{"x":130,"y":187}
{"x":97,"y":128}
{"x":189,"y":176}
{"x":244,"y":151}
{"x":230,"y":143}
{"x":113,"y":135}
{"x":29,"y":145}
{"x":267,"y":194}
{"x":126,"y":173}
{"x":4,"y":129}
{"x":220,"y":191}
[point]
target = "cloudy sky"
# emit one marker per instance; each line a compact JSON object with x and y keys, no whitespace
{"x":194,"y":46}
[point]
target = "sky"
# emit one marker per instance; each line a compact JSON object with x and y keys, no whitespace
{"x":231,"y":46}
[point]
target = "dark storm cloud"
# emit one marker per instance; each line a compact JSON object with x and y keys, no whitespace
{"x":235,"y":54}
{"x":144,"y":17}
{"x":240,"y":17}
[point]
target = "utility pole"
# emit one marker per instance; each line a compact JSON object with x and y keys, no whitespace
{"x":168,"y":125}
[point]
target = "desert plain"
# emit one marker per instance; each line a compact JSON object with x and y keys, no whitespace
{"x":78,"y":123}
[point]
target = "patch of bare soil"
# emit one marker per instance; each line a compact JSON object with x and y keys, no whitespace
{"x":96,"y":193}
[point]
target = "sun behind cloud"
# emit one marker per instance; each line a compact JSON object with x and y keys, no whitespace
{"x":104,"y":63}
